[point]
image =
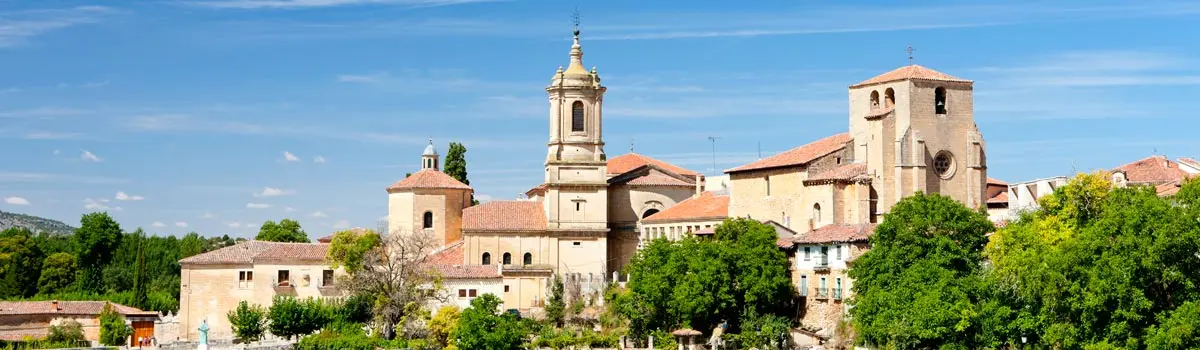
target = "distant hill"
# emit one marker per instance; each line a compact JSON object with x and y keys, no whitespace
{"x":34,"y":223}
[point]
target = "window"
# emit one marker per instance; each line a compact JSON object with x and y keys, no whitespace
{"x":471,"y":293}
{"x":943,"y":164}
{"x":528,"y":259}
{"x":768,"y":185}
{"x":874,"y":100}
{"x":822,"y":282}
{"x":427,"y":221}
{"x":506,"y":288}
{"x":284,"y":278}
{"x":244,"y":278}
{"x":507,"y":259}
{"x":839,"y":251}
{"x":803,"y":283}
{"x":807,"y":253}
{"x":577,"y":116}
{"x":487,"y":259}
{"x":462,"y":293}
{"x":824,"y":255}
{"x":575,"y":243}
{"x":578,"y":205}
{"x":889,"y":98}
{"x":816,"y":214}
{"x":649,"y":212}
{"x":327,"y":278}
{"x":939,"y":100}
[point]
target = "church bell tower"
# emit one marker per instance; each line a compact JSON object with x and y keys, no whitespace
{"x":576,"y":201}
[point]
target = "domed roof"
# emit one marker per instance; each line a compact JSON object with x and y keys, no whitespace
{"x":429,"y":150}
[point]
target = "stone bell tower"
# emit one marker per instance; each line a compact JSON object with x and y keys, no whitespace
{"x":576,"y":201}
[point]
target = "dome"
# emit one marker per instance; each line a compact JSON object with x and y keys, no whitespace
{"x":429,"y":150}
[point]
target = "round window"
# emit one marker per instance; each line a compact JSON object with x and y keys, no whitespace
{"x":943,"y":163}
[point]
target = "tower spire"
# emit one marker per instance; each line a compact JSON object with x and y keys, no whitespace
{"x":576,"y":66}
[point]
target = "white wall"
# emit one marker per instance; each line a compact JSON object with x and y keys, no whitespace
{"x":803,"y":264}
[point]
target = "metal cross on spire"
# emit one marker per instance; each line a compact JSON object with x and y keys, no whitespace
{"x":909,"y":50}
{"x":575,"y":20}
{"x":630,"y":145}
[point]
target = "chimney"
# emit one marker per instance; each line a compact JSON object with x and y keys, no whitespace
{"x":54,"y":306}
{"x":699,"y":184}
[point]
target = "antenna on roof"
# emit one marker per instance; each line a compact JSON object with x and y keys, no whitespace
{"x":713,"y":139}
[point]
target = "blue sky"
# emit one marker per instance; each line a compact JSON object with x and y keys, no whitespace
{"x":216,"y":115}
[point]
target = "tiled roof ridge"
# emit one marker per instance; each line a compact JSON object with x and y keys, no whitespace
{"x":641,"y":159}
{"x":505,"y":215}
{"x":910,"y":72}
{"x":429,"y":178}
{"x":247,"y":252}
{"x":800,"y":155}
{"x":707,"y":205}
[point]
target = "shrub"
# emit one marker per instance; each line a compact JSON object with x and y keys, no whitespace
{"x":291,"y":317}
{"x":67,"y":331}
{"x":346,"y":337}
{"x":113,"y":331}
{"x":248,"y":321}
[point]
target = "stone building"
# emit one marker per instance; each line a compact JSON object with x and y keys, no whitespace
{"x":23,"y":320}
{"x":213,"y":283}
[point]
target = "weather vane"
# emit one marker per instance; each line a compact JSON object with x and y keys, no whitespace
{"x":909,"y":50}
{"x":575,"y":19}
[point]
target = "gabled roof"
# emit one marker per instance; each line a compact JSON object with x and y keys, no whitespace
{"x":1001,"y":197}
{"x":505,"y":216}
{"x":250,"y":252}
{"x":428,"y":178}
{"x":706,"y":206}
{"x":799,"y":155}
{"x":991,"y":181}
{"x":538,"y":190}
{"x":67,"y":308}
{"x":629,"y":161}
{"x":910,"y":72}
{"x":658,"y":179}
{"x":836,"y":233}
{"x":1153,"y":170}
{"x":853,"y":172}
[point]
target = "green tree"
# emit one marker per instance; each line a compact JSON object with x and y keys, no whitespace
{"x":380,"y":267}
{"x":140,"y":282}
{"x":58,"y":273}
{"x":443,"y":324}
{"x":555,"y":306}
{"x":456,"y":165}
{"x":191,"y":244}
{"x":22,"y":263}
{"x":113,"y":330}
{"x":483,"y":327}
{"x":96,"y":239}
{"x":287,"y":230}
{"x":68,"y":333}
{"x":248,"y":321}
{"x":1178,"y":330}
{"x":291,"y":317}
{"x":349,"y":247}
{"x":918,"y":286}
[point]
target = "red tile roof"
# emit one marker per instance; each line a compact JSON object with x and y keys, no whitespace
{"x":1001,"y":197}
{"x":657,"y":179}
{"x":836,"y":233}
{"x":910,"y":72}
{"x":539,"y":190}
{"x":992,"y":181}
{"x":505,"y":216}
{"x":1190,"y":162}
{"x":845,"y":172}
{"x":703,"y":207}
{"x":1153,"y":170}
{"x":1168,"y":189}
{"x":250,"y":252}
{"x":880,"y":112}
{"x":428,"y":178}
{"x":799,"y":155}
{"x":629,"y":161}
{"x":449,"y":263}
{"x":67,"y":308}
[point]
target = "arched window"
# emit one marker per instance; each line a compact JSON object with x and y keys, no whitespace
{"x":487,"y":259}
{"x":939,"y":100}
{"x":577,"y":116}
{"x":528,"y":259}
{"x":816,"y":214}
{"x":649,"y":212}
{"x":889,"y":98}
{"x":427,"y":220}
{"x":874,"y":100}
{"x":507,"y":259}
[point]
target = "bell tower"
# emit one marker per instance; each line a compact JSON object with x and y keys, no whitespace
{"x":576,"y":201}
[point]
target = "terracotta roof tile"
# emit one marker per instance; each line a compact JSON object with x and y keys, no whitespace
{"x":448,"y":255}
{"x":629,"y":161}
{"x":656,"y":179}
{"x":799,"y":155}
{"x":705,"y":206}
{"x":449,"y":263}
{"x":845,"y":172}
{"x":1168,"y":189}
{"x":66,"y":308}
{"x":913,"y":72}
{"x":1001,"y":197}
{"x":539,"y":190}
{"x":505,"y":216}
{"x":992,"y":181}
{"x":880,"y":112}
{"x":428,"y":178}
{"x":1153,"y":170}
{"x":251,"y":251}
{"x":836,"y":233}
{"x":1190,"y":162}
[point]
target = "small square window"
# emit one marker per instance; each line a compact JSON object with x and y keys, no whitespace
{"x":576,"y":243}
{"x":506,"y":289}
{"x":462,"y":293}
{"x":471,"y":293}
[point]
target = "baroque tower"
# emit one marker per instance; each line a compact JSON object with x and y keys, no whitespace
{"x":576,"y":200}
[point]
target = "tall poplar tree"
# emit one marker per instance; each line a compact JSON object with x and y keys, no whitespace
{"x":96,"y":239}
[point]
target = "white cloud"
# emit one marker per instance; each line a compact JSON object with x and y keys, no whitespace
{"x":90,"y":157}
{"x":98,"y":204}
{"x":121,"y":196}
{"x":483,"y":198}
{"x":257,"y":205}
{"x":318,"y":215}
{"x":6,"y":176}
{"x":52,"y":135}
{"x":319,"y":160}
{"x":289,"y":209}
{"x":207,"y":216}
{"x":181,"y":224}
{"x":16,"y":200}
{"x":361,"y":78}
{"x":341,"y":224}
{"x":300,"y":4}
{"x":19,"y":26}
{"x":289,"y":157}
{"x":57,"y":152}
{"x":234,"y":224}
{"x":273,"y":192}
{"x":158,"y":224}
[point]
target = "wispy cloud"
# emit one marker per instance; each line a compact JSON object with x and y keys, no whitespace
{"x":360,"y":78}
{"x":1100,"y":69}
{"x":341,"y":224}
{"x":257,"y":205}
{"x":319,"y":160}
{"x":122,"y":196}
{"x":88,"y":156}
{"x":181,"y":224}
{"x":98,"y":204}
{"x":42,"y":112}
{"x":302,"y":4}
{"x":207,"y":215}
{"x":16,"y":28}
{"x":289,"y":209}
{"x":158,"y":224}
{"x":273,"y":192}
{"x":52,"y":135}
{"x":233,"y":224}
{"x":16,"y":200}
{"x":289,"y":157}
{"x":188,"y":124}
{"x":11,"y":176}
{"x":318,"y":215}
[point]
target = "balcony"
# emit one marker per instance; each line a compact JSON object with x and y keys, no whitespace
{"x":285,"y":284}
{"x":837,"y":294}
{"x":822,"y":293}
{"x":822,"y":263}
{"x":804,"y":291}
{"x":326,"y":284}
